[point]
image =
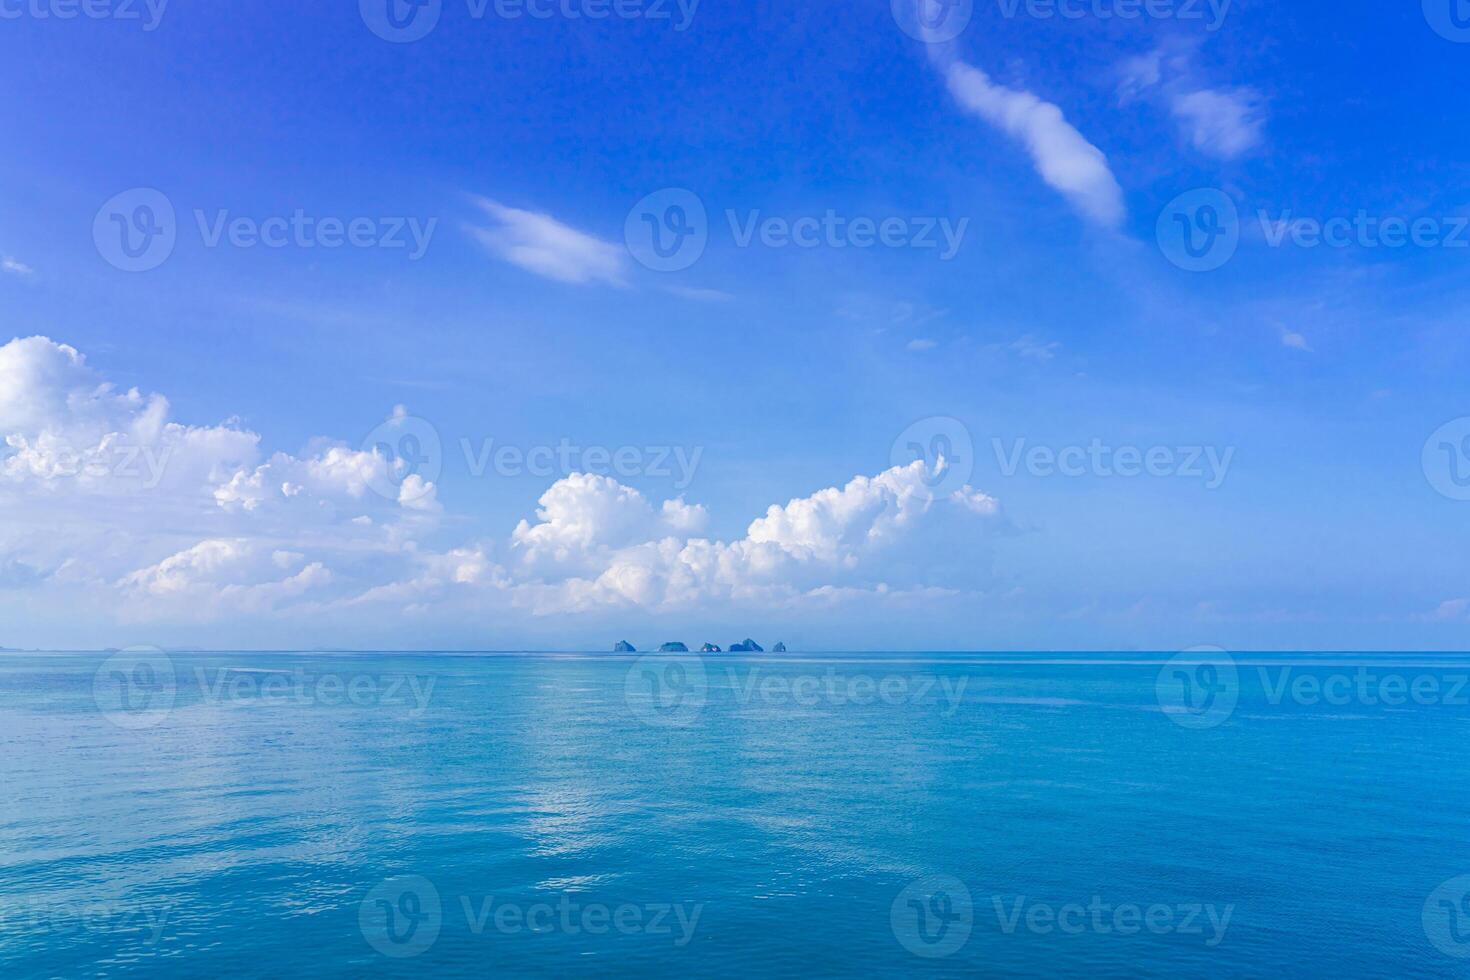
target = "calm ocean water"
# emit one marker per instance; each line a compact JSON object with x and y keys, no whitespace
{"x":269,"y":815}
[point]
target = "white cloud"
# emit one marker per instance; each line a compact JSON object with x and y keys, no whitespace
{"x":920,"y":344}
{"x":1225,"y":123}
{"x":99,"y":488}
{"x":236,"y":571}
{"x":1221,"y":122}
{"x":1452,"y":609}
{"x":539,"y":243}
{"x":222,"y":532}
{"x":1294,"y":340}
{"x":1063,"y":157}
{"x":1138,"y":75}
{"x":699,"y":294}
{"x":1032,"y":348}
{"x":616,"y":553}
{"x":15,"y":267}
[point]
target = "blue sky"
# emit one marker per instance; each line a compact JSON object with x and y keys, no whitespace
{"x":1053,"y":149}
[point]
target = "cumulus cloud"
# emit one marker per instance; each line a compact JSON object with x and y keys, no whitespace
{"x":539,"y":243}
{"x":234,"y":575}
{"x":1063,"y":157}
{"x":614,"y":549}
{"x":223,"y":531}
{"x":100,"y":488}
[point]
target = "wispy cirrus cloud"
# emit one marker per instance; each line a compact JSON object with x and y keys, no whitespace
{"x":1063,"y":157}
{"x":700,"y":294}
{"x":1223,"y":122}
{"x":16,"y":267}
{"x":539,"y":243}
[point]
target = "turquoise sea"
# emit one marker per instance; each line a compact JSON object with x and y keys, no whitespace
{"x":363,"y":815}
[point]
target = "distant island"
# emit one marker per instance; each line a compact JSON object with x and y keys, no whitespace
{"x":746,"y":645}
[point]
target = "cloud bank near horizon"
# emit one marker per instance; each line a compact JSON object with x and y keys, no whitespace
{"x":115,"y":507}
